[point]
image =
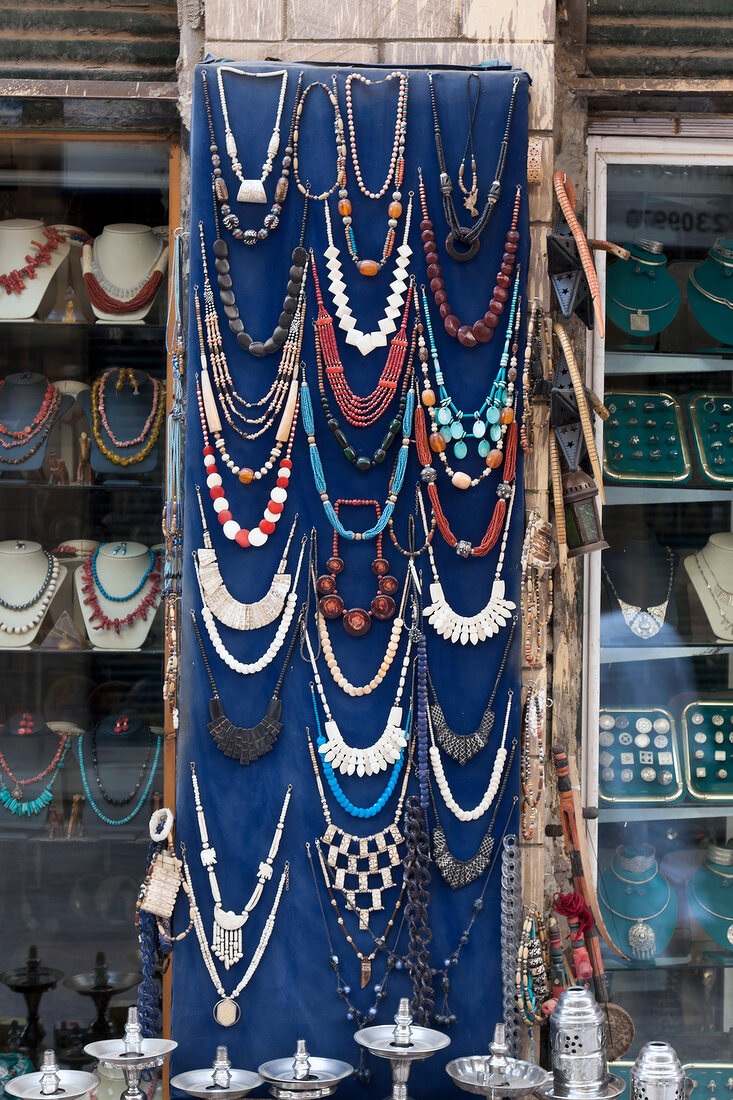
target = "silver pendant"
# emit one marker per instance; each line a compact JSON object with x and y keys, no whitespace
{"x":644,"y":624}
{"x":227,"y":1012}
{"x":729,"y":933}
{"x":642,"y":941}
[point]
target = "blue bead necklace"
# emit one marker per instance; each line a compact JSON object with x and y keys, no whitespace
{"x":133,"y":813}
{"x":130,"y":595}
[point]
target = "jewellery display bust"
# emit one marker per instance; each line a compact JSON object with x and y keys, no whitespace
{"x":711,"y":573}
{"x":17,"y":237}
{"x":125,"y":255}
{"x":120,"y":573}
{"x":710,"y":895}
{"x":638,"y":903}
{"x":641,"y":296}
{"x":21,"y":399}
{"x":126,"y":411}
{"x":710,"y":292}
{"x":26,"y":572}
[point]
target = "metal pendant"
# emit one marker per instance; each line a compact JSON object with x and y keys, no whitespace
{"x":227,"y":1012}
{"x":251,"y":191}
{"x":642,"y":941}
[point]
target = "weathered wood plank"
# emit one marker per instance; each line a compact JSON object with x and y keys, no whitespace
{"x":508,"y":21}
{"x":340,"y":53}
{"x":333,"y":19}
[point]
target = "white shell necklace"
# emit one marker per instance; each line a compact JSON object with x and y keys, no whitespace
{"x":496,"y":772}
{"x":227,"y":933}
{"x":251,"y":190}
{"x":485,"y":623}
{"x":368,"y":341}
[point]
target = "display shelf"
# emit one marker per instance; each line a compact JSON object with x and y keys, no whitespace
{"x":610,"y":655}
{"x":93,"y":651}
{"x":652,"y":362}
{"x":668,"y":812}
{"x":707,"y":960}
{"x":668,"y":494}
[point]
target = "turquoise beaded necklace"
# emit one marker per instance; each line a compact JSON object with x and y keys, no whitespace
{"x":34,"y":805}
{"x":130,"y":595}
{"x":133,"y":813}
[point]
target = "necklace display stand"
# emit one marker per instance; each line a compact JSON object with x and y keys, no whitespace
{"x":638,"y":903}
{"x":711,"y":574}
{"x":126,"y":254}
{"x":710,"y":895}
{"x":126,"y":413}
{"x":21,"y":397}
{"x":642,"y":298}
{"x":119,"y":574}
{"x":124,"y":762}
{"x":639,"y":570}
{"x":23,"y":568}
{"x":710,"y":292}
{"x":16,"y":243}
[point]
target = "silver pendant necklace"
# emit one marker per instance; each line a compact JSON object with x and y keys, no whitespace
{"x":644,"y":622}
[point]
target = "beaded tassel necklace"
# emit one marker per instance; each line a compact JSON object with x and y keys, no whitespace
{"x":221,"y":194}
{"x":491,"y":419}
{"x":366,"y":342}
{"x":395,"y":171}
{"x":12,"y":797}
{"x":396,"y":481}
{"x":136,"y":810}
{"x":482,"y":330}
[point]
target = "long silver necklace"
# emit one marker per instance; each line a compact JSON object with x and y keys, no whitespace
{"x":644,"y":622}
{"x":226,"y":940}
{"x":721,"y":596}
{"x":251,"y":190}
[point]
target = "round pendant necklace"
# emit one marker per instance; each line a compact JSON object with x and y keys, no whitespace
{"x":395,"y":171}
{"x":644,"y":622}
{"x":12,"y":797}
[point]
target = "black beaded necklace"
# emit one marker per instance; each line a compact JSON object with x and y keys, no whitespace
{"x":138,"y":783}
{"x":468,"y":235}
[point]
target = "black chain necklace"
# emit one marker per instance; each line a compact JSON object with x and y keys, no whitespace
{"x":95,"y":765}
{"x":468,"y":235}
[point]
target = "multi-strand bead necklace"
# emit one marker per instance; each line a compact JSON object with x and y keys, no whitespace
{"x":12,"y":797}
{"x":36,"y":432}
{"x":148,"y":436}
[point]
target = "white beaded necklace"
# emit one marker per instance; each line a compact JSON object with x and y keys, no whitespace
{"x":368,"y":341}
{"x":226,"y":1010}
{"x":496,"y":773}
{"x":376,"y":757}
{"x":227,"y":932}
{"x":39,"y":607}
{"x":251,"y":190}
{"x":486,"y":622}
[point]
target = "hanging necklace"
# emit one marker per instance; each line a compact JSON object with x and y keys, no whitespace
{"x":459,"y":872}
{"x":395,"y":171}
{"x":641,"y":936}
{"x":154,"y":413}
{"x":338,"y":129}
{"x":12,"y":797}
{"x":126,"y":799}
{"x":470,"y":197}
{"x":138,"y":587}
{"x":468,"y":235}
{"x":504,"y":491}
{"x":490,"y":422}
{"x":29,"y":432}
{"x":251,"y":190}
{"x":245,"y":745}
{"x":496,"y":772}
{"x":485,"y":623}
{"x":109,"y":298}
{"x":221,"y":193}
{"x":149,"y":433}
{"x":230,"y":400}
{"x":232,"y":612}
{"x":14,"y":281}
{"x":359,"y":411}
{"x":722,"y":597}
{"x":412,"y":553}
{"x":226,"y":1011}
{"x":366,"y":342}
{"x":149,"y":602}
{"x":396,"y":480}
{"x":228,"y":925}
{"x":10,"y":438}
{"x":38,"y":603}
{"x":533,"y":732}
{"x":644,"y":622}
{"x":482,"y":330}
{"x":356,"y":621}
{"x":87,"y":790}
{"x":389,"y":747}
{"x":459,"y":747}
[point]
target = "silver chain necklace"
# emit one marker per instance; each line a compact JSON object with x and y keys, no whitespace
{"x":644,"y":622}
{"x":721,"y":596}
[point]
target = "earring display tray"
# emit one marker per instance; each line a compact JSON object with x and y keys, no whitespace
{"x":644,"y":439}
{"x":711,"y":416}
{"x":707,"y":741}
{"x":638,"y":755}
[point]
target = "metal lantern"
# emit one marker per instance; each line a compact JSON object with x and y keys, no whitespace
{"x":582,"y":518}
{"x":657,"y":1074}
{"x":578,"y":1050}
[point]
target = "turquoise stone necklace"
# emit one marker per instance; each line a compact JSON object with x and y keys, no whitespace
{"x":133,"y":813}
{"x":12,"y":799}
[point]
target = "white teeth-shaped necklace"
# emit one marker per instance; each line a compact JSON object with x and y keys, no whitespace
{"x":490,"y":619}
{"x":366,"y":342}
{"x":386,"y":750}
{"x":494,"y":782}
{"x":227,"y":932}
{"x":219,"y":600}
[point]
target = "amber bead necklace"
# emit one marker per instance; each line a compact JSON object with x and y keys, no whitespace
{"x":395,"y":172}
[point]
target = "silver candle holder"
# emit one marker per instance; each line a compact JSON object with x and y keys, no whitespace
{"x":51,"y":1081}
{"x":498,"y":1075}
{"x":578,"y":1050}
{"x":132,"y":1054}
{"x":401,"y":1046}
{"x":303,"y":1077}
{"x":221,"y":1082}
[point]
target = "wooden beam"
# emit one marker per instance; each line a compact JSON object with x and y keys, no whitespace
{"x":612,"y":85}
{"x":88,"y":89}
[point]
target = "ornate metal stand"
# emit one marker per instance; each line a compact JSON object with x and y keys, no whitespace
{"x":101,"y":986}
{"x":219,"y":1082}
{"x":303,"y":1077}
{"x":578,"y":1050}
{"x":401,"y":1046}
{"x":32,"y":980}
{"x":498,"y":1075}
{"x":132,"y":1054}
{"x":51,"y":1081}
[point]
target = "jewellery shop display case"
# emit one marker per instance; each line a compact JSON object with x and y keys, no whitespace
{"x":658,"y":698}
{"x":84,"y":239}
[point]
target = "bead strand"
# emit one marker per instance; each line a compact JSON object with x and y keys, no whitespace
{"x":338,"y":127}
{"x":494,"y":782}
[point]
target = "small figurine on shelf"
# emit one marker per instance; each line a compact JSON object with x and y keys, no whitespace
{"x":83,"y":468}
{"x":55,"y":820}
{"x":76,"y":822}
{"x":58,"y":473}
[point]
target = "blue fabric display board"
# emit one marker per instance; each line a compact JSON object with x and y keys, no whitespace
{"x":293,"y":994}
